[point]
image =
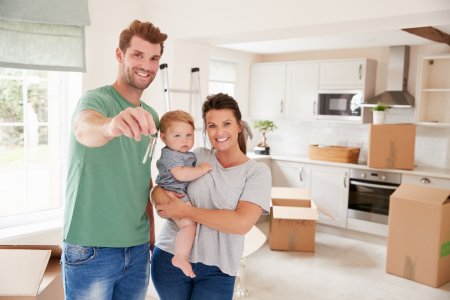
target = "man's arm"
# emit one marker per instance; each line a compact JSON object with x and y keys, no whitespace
{"x":151,"y":219}
{"x":92,"y":129}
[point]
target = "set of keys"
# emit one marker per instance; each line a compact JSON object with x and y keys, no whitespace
{"x":150,"y":148}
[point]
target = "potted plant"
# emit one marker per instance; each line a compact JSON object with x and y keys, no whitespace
{"x":379,"y":112}
{"x":263,"y":126}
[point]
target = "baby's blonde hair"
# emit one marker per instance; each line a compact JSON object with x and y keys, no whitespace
{"x":175,"y":116}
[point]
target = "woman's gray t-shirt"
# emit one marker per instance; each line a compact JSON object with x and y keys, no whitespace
{"x":222,"y":188}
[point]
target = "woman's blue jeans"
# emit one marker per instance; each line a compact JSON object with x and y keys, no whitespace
{"x":99,"y":273}
{"x":171,"y":284}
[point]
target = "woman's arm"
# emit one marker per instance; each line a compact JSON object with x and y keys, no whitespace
{"x":238,"y":221}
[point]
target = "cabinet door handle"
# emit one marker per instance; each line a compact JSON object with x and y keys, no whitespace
{"x":425,"y":181}
{"x":360,"y":71}
{"x":345,"y":180}
{"x":300,"y":174}
{"x":281,"y":106}
{"x":314,"y":108}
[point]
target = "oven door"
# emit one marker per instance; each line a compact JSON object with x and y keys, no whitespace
{"x":369,"y":200}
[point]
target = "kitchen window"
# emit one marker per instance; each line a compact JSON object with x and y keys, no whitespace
{"x":34,"y":114}
{"x":222,"y":77}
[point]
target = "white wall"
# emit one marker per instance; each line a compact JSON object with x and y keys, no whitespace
{"x":42,"y":237}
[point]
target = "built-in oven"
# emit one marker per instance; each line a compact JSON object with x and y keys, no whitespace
{"x":369,"y":194}
{"x":339,"y":104}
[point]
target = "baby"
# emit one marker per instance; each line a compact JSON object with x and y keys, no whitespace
{"x":176,"y":168}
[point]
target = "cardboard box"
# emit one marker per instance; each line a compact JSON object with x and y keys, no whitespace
{"x":391,"y":146}
{"x":30,"y":272}
{"x":419,"y":234}
{"x":293,"y":218}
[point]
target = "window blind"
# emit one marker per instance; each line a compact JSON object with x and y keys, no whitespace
{"x":43,"y":34}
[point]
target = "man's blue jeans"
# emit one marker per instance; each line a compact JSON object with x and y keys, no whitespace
{"x":105,"y":273}
{"x":171,"y":284}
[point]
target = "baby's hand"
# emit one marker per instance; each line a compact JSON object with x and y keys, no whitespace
{"x":206,"y":167}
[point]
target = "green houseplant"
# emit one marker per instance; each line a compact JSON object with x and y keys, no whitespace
{"x":263,"y":126}
{"x":379,"y":111}
{"x":380,"y":107}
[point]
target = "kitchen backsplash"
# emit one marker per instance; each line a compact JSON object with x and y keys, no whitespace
{"x":293,"y":137}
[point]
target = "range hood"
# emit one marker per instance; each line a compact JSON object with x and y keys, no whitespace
{"x":397,"y":78}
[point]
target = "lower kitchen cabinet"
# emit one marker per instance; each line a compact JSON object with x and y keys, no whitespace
{"x":328,"y":187}
{"x":288,"y":174}
{"x":426,"y":180}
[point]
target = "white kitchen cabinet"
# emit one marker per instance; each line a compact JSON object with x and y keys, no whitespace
{"x":284,"y":90}
{"x":328,"y":187}
{"x":302,"y":87}
{"x":288,"y":174}
{"x":346,"y":74}
{"x":290,"y":89}
{"x":267,"y":90}
{"x":433,"y":91}
{"x":426,"y":181}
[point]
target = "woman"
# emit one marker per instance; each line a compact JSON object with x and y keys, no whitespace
{"x":227,"y":202}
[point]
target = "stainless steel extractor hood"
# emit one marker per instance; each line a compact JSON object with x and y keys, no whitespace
{"x":397,"y":78}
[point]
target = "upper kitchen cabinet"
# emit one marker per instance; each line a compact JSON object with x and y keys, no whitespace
{"x":267,"y":90}
{"x":291,"y":89}
{"x":284,"y":90}
{"x":433,"y":91}
{"x":302,"y":87}
{"x":348,"y":74}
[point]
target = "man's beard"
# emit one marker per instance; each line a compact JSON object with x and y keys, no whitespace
{"x":129,"y":76}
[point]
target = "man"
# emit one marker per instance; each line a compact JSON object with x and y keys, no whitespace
{"x":106,"y":249}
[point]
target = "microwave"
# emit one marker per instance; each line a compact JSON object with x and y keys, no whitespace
{"x":340,"y":105}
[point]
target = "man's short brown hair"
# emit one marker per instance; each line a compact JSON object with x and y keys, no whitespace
{"x":144,"y":30}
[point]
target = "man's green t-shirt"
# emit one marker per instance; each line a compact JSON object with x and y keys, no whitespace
{"x":108,"y":186}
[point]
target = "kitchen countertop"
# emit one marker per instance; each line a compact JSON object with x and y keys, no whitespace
{"x":418,"y":170}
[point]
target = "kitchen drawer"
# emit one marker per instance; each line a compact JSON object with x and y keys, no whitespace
{"x":426,"y":180}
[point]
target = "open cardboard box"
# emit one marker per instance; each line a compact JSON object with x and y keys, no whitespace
{"x":418,"y":245}
{"x":293,"y":218}
{"x":30,"y":272}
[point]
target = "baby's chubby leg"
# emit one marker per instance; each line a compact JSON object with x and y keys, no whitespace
{"x":183,"y":245}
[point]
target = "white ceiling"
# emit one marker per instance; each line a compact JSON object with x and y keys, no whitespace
{"x":283,"y":26}
{"x":334,"y":41}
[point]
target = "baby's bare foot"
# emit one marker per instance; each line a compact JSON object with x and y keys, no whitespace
{"x":184,"y":265}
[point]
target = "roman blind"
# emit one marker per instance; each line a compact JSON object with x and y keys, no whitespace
{"x":43,"y":34}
